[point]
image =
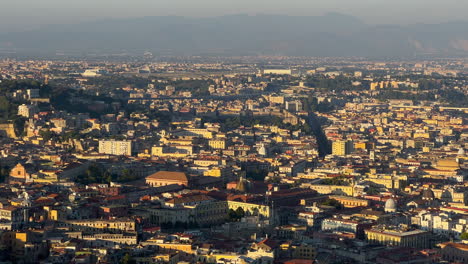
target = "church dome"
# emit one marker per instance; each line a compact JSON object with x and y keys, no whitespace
{"x":428,"y":194}
{"x":242,"y":185}
{"x":390,"y":205}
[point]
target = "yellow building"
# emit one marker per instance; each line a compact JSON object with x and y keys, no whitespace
{"x":98,"y":226}
{"x":176,"y":141}
{"x":108,"y":240}
{"x":182,"y":247}
{"x":207,"y":162}
{"x":175,"y":151}
{"x":388,"y":181}
{"x":303,"y":251}
{"x":425,"y":135}
{"x":53,"y":214}
{"x":194,"y":132}
{"x":360,"y":145}
{"x":276,"y":99}
{"x":172,"y":258}
{"x":213,"y":258}
{"x":250,"y":208}
{"x":350,"y":202}
{"x":457,"y":121}
{"x":447,"y":164}
{"x":398,"y":238}
{"x":225,"y":173}
{"x":342,"y":147}
{"x":217,"y":143}
{"x":332,"y":189}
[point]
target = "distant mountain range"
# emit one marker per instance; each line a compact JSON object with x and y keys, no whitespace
{"x":329,"y":35}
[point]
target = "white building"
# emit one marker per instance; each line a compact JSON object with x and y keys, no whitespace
{"x":442,"y":223}
{"x":114,"y":147}
{"x":27,"y":110}
{"x":278,"y":71}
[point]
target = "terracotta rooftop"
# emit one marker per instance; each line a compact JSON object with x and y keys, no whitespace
{"x":168,"y":175}
{"x":460,"y":246}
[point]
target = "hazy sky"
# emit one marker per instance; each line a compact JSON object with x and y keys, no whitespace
{"x":23,"y":14}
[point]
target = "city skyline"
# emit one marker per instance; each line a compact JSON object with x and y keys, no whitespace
{"x":234,"y":132}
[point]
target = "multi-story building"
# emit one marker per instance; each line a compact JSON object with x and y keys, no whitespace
{"x":294,"y":106}
{"x":350,"y":202}
{"x":342,"y":147}
{"x":110,"y":240}
{"x":278,"y":71}
{"x":33,"y":93}
{"x":114,"y":147}
{"x":197,"y":211}
{"x":225,"y":173}
{"x":176,"y":151}
{"x":398,"y":237}
{"x":331,"y":189}
{"x":217,"y":143}
{"x":303,"y":251}
{"x":13,"y":215}
{"x":454,"y":252}
{"x":356,"y":227}
{"x":100,"y":226}
{"x":27,"y":110}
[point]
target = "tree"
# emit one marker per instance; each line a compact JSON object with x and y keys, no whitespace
{"x":257,"y":174}
{"x":372,"y":190}
{"x":107,"y":176}
{"x":193,"y":224}
{"x":464,"y":236}
{"x":167,"y":225}
{"x":310,"y":103}
{"x":275,"y":179}
{"x":127,"y":259}
{"x":19,"y":123}
{"x":127,"y":175}
{"x":4,"y":108}
{"x":4,"y":173}
{"x":46,"y":134}
{"x":232,"y":215}
{"x":236,"y":215}
{"x":332,"y":202}
{"x":340,"y":180}
{"x":94,"y":174}
{"x":307,"y":129}
{"x":240,"y":212}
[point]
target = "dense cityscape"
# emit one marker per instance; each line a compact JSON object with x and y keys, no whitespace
{"x":236,"y":160}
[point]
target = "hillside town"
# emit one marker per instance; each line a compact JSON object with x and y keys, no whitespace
{"x":240,"y":160}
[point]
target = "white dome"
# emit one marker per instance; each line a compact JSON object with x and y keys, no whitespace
{"x":461,"y":152}
{"x":390,"y":205}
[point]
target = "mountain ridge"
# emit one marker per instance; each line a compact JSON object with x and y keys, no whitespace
{"x":332,"y":34}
